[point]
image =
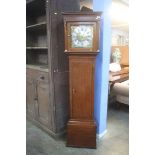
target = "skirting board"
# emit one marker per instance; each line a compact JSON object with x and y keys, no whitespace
{"x":99,"y":136}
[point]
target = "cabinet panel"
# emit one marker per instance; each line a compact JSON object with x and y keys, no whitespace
{"x":43,"y":102}
{"x":81,"y":87}
{"x":30,"y":96}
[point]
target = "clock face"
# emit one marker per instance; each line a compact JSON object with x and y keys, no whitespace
{"x":81,"y":36}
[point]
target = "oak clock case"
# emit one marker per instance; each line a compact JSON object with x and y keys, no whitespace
{"x":81,"y":33}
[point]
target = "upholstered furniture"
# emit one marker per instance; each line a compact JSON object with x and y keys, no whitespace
{"x":121,"y":91}
{"x":119,"y":80}
{"x":119,"y":86}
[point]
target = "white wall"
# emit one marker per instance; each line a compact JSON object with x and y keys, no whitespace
{"x":119,"y":37}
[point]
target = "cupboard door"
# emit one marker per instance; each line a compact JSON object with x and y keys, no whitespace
{"x":30,"y":97}
{"x":81,"y":87}
{"x":43,"y":102}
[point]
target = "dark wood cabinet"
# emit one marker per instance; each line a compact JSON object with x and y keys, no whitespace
{"x":82,"y":45}
{"x":47,"y":66}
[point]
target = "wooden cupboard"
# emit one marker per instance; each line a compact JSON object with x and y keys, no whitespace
{"x":38,"y":97}
{"x":46,"y":65}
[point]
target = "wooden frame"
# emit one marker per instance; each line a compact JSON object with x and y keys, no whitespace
{"x":79,"y":18}
{"x":68,"y":39}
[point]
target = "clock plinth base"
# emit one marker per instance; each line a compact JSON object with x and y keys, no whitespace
{"x":81,"y":134}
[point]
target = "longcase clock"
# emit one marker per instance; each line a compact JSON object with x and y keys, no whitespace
{"x":81,"y":32}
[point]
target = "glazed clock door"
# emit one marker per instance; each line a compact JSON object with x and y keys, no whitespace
{"x":81,"y":87}
{"x":81,"y":36}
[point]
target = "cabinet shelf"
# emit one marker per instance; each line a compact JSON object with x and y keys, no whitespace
{"x":38,"y":67}
{"x":36,"y":48}
{"x":37,"y":27}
